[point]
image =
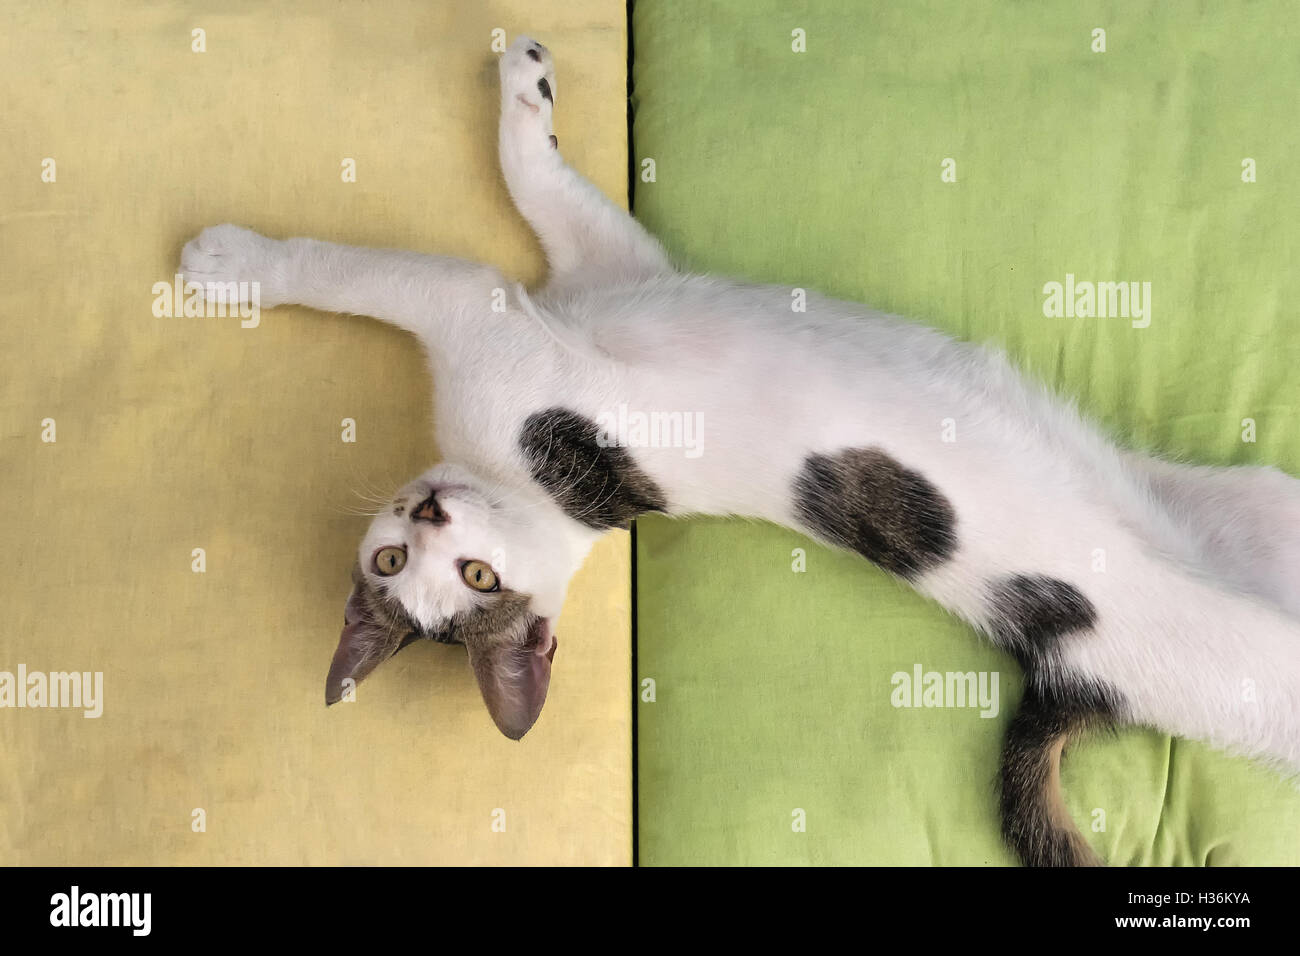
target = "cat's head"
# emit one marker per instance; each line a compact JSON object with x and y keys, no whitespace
{"x":457,"y":559}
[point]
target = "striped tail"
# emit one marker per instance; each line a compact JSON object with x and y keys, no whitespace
{"x":1035,"y":822}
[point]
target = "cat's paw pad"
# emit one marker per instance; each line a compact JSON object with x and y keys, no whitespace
{"x":528,"y":77}
{"x":221,"y":255}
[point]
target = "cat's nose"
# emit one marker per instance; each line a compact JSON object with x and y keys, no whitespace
{"x":429,"y":510}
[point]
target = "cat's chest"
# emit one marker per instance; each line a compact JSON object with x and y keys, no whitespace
{"x":609,"y":444}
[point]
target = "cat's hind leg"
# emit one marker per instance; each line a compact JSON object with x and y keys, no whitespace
{"x":586,"y":237}
{"x":1241,"y":524}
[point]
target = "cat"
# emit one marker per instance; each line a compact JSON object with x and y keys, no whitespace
{"x":826,"y":421}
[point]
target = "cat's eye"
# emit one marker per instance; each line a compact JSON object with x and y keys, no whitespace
{"x":479,"y":576}
{"x":388,"y":561}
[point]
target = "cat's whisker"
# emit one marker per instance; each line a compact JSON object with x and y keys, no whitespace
{"x":368,"y":490}
{"x":357,"y":512}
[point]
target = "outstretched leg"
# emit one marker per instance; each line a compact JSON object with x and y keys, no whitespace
{"x":413,"y":291}
{"x":585,"y":236}
{"x":1241,"y":524}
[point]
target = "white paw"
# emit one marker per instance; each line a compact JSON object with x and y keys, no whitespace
{"x":528,"y":88}
{"x":220,"y":255}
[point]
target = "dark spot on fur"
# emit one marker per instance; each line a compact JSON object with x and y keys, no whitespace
{"x":399,"y":510}
{"x":545,"y":89}
{"x":1032,"y":612}
{"x":598,"y":485}
{"x":865,"y":501}
{"x":555,"y":142}
{"x":534,"y":55}
{"x":1035,"y":823}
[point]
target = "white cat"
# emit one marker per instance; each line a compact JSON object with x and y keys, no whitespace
{"x":828,"y":421}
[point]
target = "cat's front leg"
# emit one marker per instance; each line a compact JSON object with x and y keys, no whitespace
{"x":421,"y":293}
{"x":230,"y":260}
{"x":586,"y":237}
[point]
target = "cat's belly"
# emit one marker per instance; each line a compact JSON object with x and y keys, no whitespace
{"x":905,"y":462}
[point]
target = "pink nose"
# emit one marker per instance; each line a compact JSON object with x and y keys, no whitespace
{"x":429,"y":510}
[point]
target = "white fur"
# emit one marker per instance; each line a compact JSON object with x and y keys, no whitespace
{"x":1198,"y":607}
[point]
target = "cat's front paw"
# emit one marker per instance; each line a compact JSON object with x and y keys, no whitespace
{"x":528,"y":89}
{"x":222,"y":255}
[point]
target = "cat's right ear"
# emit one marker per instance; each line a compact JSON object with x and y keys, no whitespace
{"x":363,"y":646}
{"x":514,"y":677}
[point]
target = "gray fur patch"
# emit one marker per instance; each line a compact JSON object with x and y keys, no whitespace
{"x":863,"y":500}
{"x":501,"y":614}
{"x":506,"y":614}
{"x":600,"y":486}
{"x":386,"y":615}
{"x":1032,"y":612}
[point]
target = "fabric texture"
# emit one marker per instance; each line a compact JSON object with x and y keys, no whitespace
{"x":946,"y":162}
{"x":174,"y":434}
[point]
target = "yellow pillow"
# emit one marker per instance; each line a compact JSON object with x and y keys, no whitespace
{"x":126,"y":131}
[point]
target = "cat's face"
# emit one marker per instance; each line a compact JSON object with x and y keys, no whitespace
{"x":455,"y":560}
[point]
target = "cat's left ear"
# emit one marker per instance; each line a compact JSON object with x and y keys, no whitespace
{"x":514,"y":677}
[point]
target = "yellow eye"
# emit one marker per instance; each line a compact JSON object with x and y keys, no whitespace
{"x":479,"y":576}
{"x":388,"y":561}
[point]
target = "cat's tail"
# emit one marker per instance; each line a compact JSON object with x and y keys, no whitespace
{"x":1160,"y":647}
{"x":1035,"y":822}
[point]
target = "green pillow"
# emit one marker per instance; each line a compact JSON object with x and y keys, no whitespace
{"x":770,"y":733}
